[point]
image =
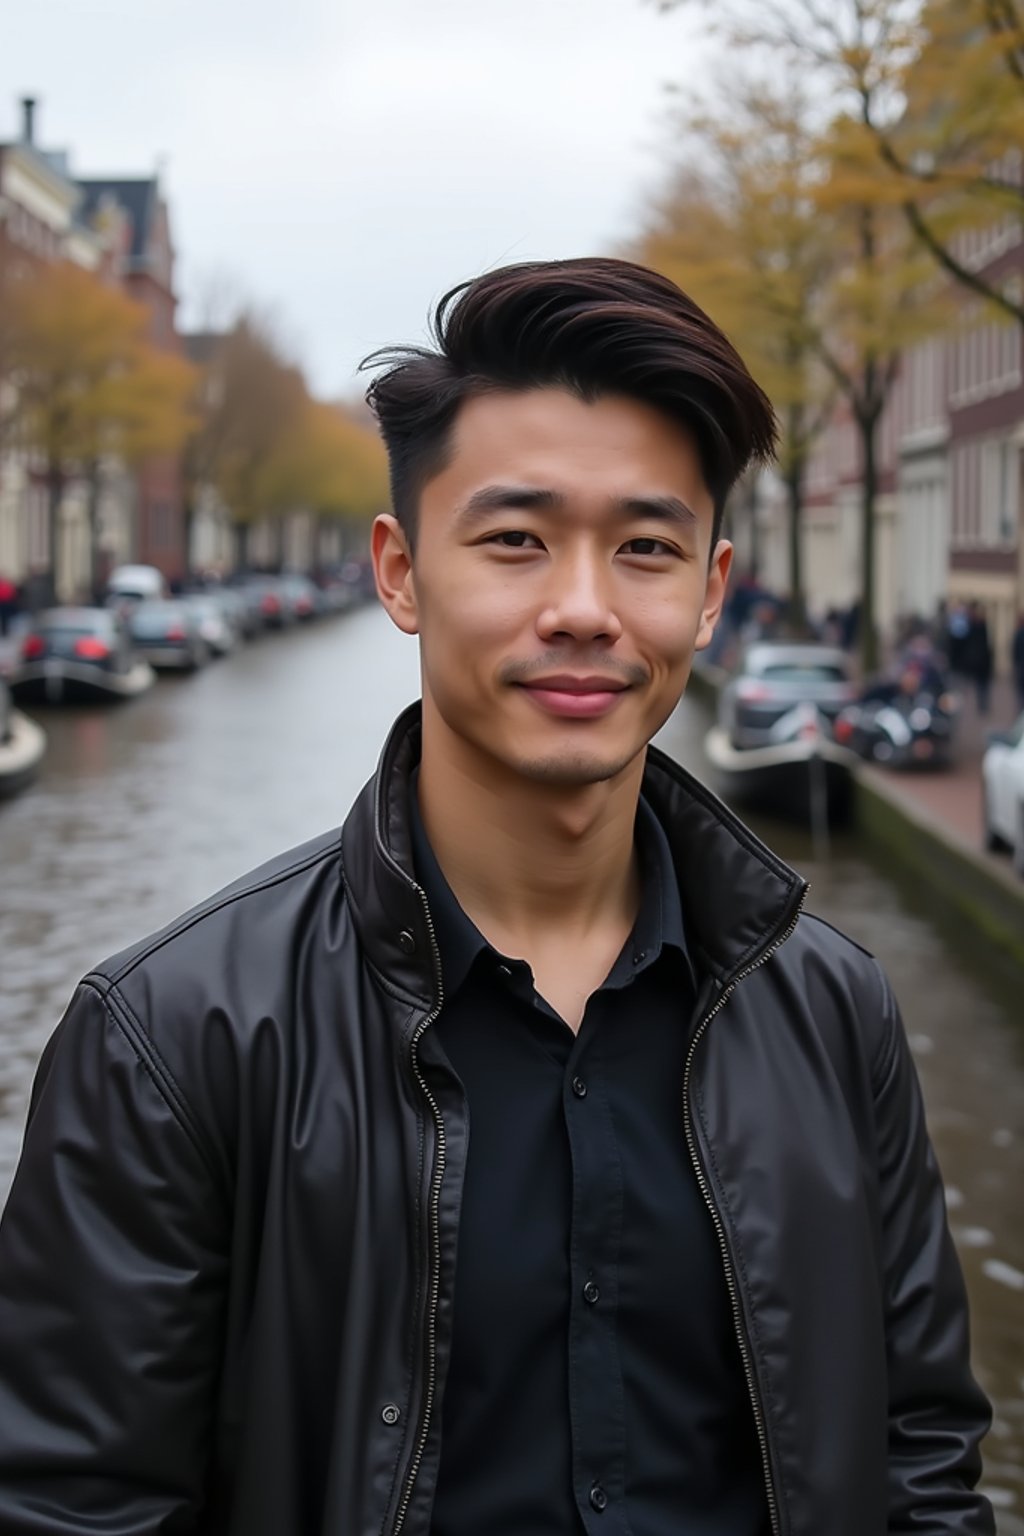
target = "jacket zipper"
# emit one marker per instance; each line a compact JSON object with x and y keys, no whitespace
{"x":709,"y":1200}
{"x":434,"y":1219}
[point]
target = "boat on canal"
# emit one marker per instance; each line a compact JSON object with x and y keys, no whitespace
{"x":802,"y":774}
{"x":22,"y":746}
{"x":79,"y":656}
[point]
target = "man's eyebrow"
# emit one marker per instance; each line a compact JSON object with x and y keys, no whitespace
{"x":508,"y":498}
{"x":666,"y":509}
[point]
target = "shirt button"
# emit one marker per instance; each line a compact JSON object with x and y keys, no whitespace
{"x":640,"y":957}
{"x":579,"y":1087}
{"x":406,"y":942}
{"x":391,"y":1413}
{"x":598,"y":1498}
{"x":591,"y":1292}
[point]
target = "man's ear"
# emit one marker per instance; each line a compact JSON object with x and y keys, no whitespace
{"x":392,"y":569}
{"x":714,"y":593}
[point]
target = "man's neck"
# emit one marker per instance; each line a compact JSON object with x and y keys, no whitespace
{"x":533,"y":864}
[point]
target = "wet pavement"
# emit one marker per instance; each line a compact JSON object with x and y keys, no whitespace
{"x":145,"y":809}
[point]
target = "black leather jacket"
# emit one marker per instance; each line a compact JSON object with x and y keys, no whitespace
{"x":226,"y":1264}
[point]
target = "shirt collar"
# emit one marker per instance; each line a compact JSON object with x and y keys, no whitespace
{"x":659,"y":922}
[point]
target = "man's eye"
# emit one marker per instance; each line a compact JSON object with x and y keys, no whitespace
{"x":648,"y":547}
{"x":513,"y":538}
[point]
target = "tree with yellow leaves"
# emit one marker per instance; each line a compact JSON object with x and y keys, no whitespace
{"x":936,"y":88}
{"x":250,"y":402}
{"x":86,"y":385}
{"x":739,"y":229}
{"x":826,"y":280}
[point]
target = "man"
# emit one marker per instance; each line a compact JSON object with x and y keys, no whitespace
{"x":524,"y":1161}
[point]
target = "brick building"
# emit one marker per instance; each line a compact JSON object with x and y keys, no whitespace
{"x":146,"y":270}
{"x":120,"y":230}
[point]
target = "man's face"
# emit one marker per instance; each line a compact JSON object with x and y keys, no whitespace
{"x":562,"y":580}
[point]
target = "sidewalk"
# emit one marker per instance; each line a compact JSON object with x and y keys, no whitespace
{"x":953,"y":798}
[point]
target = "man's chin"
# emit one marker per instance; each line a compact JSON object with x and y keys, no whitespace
{"x":571,"y":769}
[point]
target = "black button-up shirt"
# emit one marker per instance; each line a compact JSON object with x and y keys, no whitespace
{"x":595,"y":1381}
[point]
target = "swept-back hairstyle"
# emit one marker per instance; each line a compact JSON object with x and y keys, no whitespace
{"x":595,"y":326}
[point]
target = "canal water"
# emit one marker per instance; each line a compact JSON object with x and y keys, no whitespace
{"x":143,"y":810}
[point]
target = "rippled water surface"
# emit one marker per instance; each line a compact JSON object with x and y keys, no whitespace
{"x":145,"y":809}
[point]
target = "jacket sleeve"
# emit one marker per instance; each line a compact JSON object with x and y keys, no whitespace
{"x":937,"y":1413}
{"x":111,"y":1281}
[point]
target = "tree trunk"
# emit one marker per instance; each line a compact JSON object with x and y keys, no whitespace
{"x":55,"y":495}
{"x":868,"y":425}
{"x":795,"y":497}
{"x":95,"y":574}
{"x":754,"y":531}
{"x":190,"y":523}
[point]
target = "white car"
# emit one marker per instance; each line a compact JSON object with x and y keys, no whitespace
{"x":1002,"y":771}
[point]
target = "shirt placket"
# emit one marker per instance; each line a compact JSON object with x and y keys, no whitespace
{"x":596,"y":1402}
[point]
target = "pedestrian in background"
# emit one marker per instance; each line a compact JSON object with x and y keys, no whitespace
{"x":958,"y":623}
{"x":1017,"y":659}
{"x":8,"y":604}
{"x":522,"y":1160}
{"x":976,"y":656}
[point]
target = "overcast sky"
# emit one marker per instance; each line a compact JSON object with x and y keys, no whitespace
{"x":345,"y":163}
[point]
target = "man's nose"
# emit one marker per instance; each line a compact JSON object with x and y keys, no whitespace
{"x":579,"y":602}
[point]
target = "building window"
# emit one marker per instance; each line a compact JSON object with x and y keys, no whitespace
{"x":1000,"y":493}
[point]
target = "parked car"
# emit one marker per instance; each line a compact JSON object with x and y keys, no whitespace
{"x":79,"y":655}
{"x":207,"y":609}
{"x":1002,"y":771}
{"x":238,"y":613}
{"x":135,"y":584}
{"x":301,"y":596}
{"x":169,"y":637}
{"x":266,"y":597}
{"x":772,"y":678}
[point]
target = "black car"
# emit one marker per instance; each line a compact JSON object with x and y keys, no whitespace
{"x":169,"y":636}
{"x":79,"y":655}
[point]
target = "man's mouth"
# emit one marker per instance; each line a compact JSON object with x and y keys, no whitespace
{"x":576,"y":697}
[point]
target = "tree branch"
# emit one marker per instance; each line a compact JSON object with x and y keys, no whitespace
{"x":963,"y":275}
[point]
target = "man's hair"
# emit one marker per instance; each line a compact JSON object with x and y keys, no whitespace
{"x":595,"y":326}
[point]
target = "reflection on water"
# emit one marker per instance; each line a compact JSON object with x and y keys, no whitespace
{"x":146,"y":809}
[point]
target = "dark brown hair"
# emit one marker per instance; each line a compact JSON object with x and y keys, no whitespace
{"x":595,"y":326}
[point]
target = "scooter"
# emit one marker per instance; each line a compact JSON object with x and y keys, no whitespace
{"x":906,"y":730}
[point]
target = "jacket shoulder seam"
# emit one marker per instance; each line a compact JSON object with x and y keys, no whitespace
{"x":823,"y":922}
{"x":885,"y":1060}
{"x":208,"y":909}
{"x":130,"y":1027}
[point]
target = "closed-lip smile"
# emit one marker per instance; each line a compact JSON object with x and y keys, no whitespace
{"x":564,"y":683}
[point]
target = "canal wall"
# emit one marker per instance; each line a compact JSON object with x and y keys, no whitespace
{"x":975,"y":888}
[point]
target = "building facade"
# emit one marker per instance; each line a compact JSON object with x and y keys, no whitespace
{"x":120,"y":230}
{"x":951,"y":505}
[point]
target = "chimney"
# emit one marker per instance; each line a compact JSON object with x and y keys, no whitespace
{"x":28,"y":120}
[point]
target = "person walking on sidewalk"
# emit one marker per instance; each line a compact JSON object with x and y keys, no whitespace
{"x":1017,"y":659}
{"x":522,"y":1160}
{"x":976,"y":656}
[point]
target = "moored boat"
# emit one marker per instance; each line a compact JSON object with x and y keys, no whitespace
{"x":22,"y":747}
{"x":79,"y":656}
{"x":804,"y":778}
{"x":58,"y":680}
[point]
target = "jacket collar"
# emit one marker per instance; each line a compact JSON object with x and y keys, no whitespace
{"x":738,"y":898}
